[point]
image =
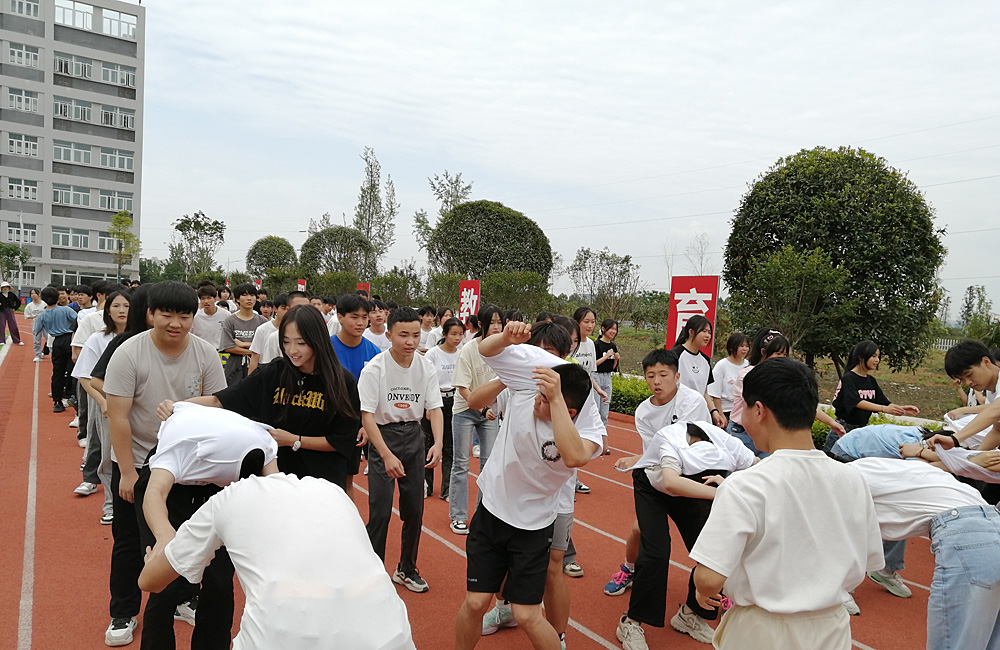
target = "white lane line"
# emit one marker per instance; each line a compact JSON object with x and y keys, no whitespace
{"x":858,"y":644}
{"x":579,"y":627}
{"x":915,"y":584}
{"x":604,"y":478}
{"x":577,"y":522}
{"x":24,"y":629}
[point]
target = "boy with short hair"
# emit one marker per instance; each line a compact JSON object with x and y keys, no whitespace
{"x":428,"y":315}
{"x":58,"y":322}
{"x":238,"y":332}
{"x":973,"y":364}
{"x":209,"y":319}
{"x":670,"y":402}
{"x":532,"y":462}
{"x":397,"y":388}
{"x":376,"y":325}
{"x":769,"y":521}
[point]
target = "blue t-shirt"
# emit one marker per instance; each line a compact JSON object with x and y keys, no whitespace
{"x":55,"y":322}
{"x":876,"y":441}
{"x":354,"y":359}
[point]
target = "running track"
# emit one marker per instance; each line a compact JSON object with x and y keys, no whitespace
{"x":54,"y":593}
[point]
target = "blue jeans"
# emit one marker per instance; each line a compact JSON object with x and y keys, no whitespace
{"x":604,"y":381}
{"x":462,"y":427}
{"x":738,"y":431}
{"x":963,"y":608}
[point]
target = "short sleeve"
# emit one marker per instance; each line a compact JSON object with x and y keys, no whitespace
{"x":730,"y":527}
{"x":693,"y":408}
{"x":368,"y":387}
{"x":121,"y":375}
{"x":708,"y":362}
{"x":247,"y":397}
{"x":215,"y":376}
{"x":515,"y":363}
{"x":589,"y":424}
{"x":101,"y":367}
{"x":260,"y":339}
{"x":89,"y":356}
{"x":196,"y":542}
{"x":880,"y":397}
{"x":432,"y":388}
{"x":463,"y":367}
{"x":344,"y":434}
{"x":226,"y":339}
{"x":715,"y":387}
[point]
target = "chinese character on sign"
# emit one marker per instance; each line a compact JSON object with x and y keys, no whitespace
{"x":468,"y":299}
{"x":689,"y":297}
{"x":690,"y":304}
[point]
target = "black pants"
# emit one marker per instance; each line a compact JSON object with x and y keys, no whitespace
{"x":648,"y":601}
{"x":62,"y":358}
{"x":406,"y":441}
{"x":126,"y":554}
{"x":447,"y":446}
{"x":214,"y":615}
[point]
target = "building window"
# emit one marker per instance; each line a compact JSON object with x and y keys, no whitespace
{"x":121,"y":75}
{"x":77,"y":66}
{"x":22,"y":100}
{"x":119,"y":25}
{"x":25,"y":277}
{"x":24,"y":7}
{"x":23,"y":55}
{"x":115,"y":200}
{"x":75,"y":14}
{"x":117,"y":158}
{"x":23,"y":145}
{"x":71,"y":195}
{"x":106,"y":242}
{"x":121,"y":117}
{"x":21,"y":189}
{"x":71,"y":109}
{"x":71,"y":152}
{"x":70,"y":237}
{"x":22,"y":233}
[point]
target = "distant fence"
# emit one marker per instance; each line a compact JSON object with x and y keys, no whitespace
{"x":944,"y":344}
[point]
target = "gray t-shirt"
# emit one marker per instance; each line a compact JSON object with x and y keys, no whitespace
{"x":235,"y":329}
{"x":140,"y":371}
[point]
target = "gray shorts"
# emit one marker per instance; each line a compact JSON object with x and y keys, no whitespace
{"x":562,"y":531}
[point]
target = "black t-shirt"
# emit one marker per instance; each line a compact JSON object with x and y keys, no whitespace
{"x":601,"y":347}
{"x":101,"y":368}
{"x":260,"y":397}
{"x":853,"y":389}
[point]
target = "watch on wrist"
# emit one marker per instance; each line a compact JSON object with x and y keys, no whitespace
{"x":297,"y":444}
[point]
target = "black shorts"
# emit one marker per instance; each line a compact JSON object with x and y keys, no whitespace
{"x":497,"y":550}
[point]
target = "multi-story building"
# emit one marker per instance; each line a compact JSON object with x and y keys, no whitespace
{"x":71,"y":78}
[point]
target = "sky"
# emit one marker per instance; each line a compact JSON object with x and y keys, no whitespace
{"x":634,"y":125}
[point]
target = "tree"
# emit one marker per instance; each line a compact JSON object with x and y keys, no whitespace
{"x":315,"y":225}
{"x":174,"y":268}
{"x":150,"y":270}
{"x":980,"y":316}
{"x":698,"y":253}
{"x":872,"y":221}
{"x":799,"y":294}
{"x":968,"y":306}
{"x":337,"y":249}
{"x":401,"y":284}
{"x":270,"y":252}
{"x":374,"y":217}
{"x":944,"y":310}
{"x":611,"y":281}
{"x":200,"y":238}
{"x":442,"y":289}
{"x":482,"y":237}
{"x":127,"y":244}
{"x":12,"y":257}
{"x":651,"y":310}
{"x":522,"y":290}
{"x":450,"y":191}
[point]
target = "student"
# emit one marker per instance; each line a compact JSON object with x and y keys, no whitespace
{"x":696,"y":366}
{"x":471,"y":328}
{"x":9,"y":304}
{"x":324,"y":548}
{"x":266,"y":308}
{"x":209,"y":319}
{"x":375,"y":333}
{"x":83,"y":295}
{"x":471,"y":371}
{"x":726,"y":371}
{"x":911,"y":499}
{"x":397,"y":389}
{"x":858,"y":394}
{"x":428,"y":317}
{"x":34,"y":307}
{"x":164,"y":362}
{"x":238,"y":331}
{"x":674,"y":480}
{"x":607,"y":362}
{"x":225,"y":296}
{"x":271,"y":348}
{"x":443,"y":357}
{"x":266,"y":330}
{"x":88,"y":322}
{"x":437,"y":333}
{"x":536,"y":452}
{"x":58,"y":323}
{"x":974,"y":365}
{"x":769,"y":521}
{"x":671,"y":402}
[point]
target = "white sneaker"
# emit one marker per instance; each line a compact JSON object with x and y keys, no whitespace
{"x":82,"y":442}
{"x":20,"y":342}
{"x":38,"y":359}
{"x":85,"y":489}
{"x":75,"y":424}
{"x":186,"y":612}
{"x":498,"y":617}
{"x":851,"y":606}
{"x":631,"y":634}
{"x":475,"y":451}
{"x":119,"y":633}
{"x":693,"y":625}
{"x":892,"y":582}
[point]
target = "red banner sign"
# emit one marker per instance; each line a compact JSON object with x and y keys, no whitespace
{"x":257,"y":283}
{"x":692,"y":296}
{"x":302,"y":285}
{"x":227,"y":282}
{"x":468,"y":299}
{"x":365,"y":286}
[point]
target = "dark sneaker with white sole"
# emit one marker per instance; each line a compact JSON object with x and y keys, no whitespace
{"x":119,"y":633}
{"x":411,"y":581}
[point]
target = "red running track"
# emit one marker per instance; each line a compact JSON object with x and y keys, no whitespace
{"x":54,"y":590}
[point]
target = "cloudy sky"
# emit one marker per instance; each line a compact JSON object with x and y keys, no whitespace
{"x":635,"y":125}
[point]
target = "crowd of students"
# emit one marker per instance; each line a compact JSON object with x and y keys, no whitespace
{"x":181,"y":392}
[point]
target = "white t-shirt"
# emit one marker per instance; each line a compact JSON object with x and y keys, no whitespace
{"x":260,"y":337}
{"x":794,"y":533}
{"x":427,"y":340}
{"x":521,"y":483}
{"x":304,"y":561}
{"x":199,"y":445}
{"x":725,"y":375}
{"x":958,"y":461}
{"x":209,"y":328}
{"x":91,"y":353}
{"x":586,"y":355}
{"x":686,"y":406}
{"x":695,"y":369}
{"x":396,"y":394}
{"x":86,"y":311}
{"x":444,"y":364}
{"x":33,"y":309}
{"x":471,"y":371}
{"x":86,"y":325}
{"x":271,"y":348}
{"x":973,"y":441}
{"x":380,"y":340}
{"x":333,"y":325}
{"x":909,"y":495}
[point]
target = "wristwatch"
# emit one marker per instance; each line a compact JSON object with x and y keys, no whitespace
{"x":297,"y":444}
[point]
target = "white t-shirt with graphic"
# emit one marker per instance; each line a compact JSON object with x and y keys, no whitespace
{"x":444,"y":364}
{"x":695,"y":369}
{"x":586,"y":355}
{"x":396,"y":394}
{"x":686,"y":406}
{"x":725,"y":375}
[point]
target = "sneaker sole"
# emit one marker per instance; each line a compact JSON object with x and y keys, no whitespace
{"x":409,"y":585}
{"x":618,"y":592}
{"x":683,"y":629}
{"x":877,"y":579}
{"x":84,"y":494}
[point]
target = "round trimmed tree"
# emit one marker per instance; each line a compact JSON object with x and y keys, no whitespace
{"x":270,"y":252}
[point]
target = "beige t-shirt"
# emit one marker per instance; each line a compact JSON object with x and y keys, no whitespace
{"x":470,"y":372}
{"x":139,"y":370}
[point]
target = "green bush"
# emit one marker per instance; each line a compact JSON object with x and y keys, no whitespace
{"x":627,"y":393}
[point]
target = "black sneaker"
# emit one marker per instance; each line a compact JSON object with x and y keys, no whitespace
{"x":411,"y":581}
{"x":72,"y":402}
{"x":58,"y":407}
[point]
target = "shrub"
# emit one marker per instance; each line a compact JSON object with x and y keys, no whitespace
{"x":627,"y":393}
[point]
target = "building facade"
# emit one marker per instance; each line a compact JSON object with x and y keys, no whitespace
{"x":71,"y":79}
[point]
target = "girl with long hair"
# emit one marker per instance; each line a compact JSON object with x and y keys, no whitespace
{"x":726,"y":371}
{"x":694,"y":365}
{"x":443,"y":357}
{"x":607,"y":363}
